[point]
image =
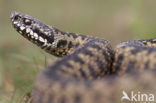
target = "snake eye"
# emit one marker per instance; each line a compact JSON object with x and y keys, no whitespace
{"x":27,"y":21}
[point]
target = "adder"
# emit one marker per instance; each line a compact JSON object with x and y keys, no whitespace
{"x":90,"y":70}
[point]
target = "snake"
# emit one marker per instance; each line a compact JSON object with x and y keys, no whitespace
{"x":88,"y":69}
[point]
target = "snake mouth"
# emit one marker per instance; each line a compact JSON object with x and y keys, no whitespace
{"x":32,"y":29}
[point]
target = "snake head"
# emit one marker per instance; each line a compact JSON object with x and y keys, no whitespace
{"x":33,"y":29}
{"x":48,"y":38}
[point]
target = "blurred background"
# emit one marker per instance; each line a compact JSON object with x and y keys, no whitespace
{"x":114,"y":20}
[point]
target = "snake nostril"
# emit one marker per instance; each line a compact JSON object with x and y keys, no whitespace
{"x":16,"y":17}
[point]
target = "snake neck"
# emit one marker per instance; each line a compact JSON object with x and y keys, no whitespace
{"x":64,"y":43}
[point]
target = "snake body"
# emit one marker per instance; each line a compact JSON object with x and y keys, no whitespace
{"x":90,"y":69}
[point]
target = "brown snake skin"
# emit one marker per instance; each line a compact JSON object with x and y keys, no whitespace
{"x":90,"y":70}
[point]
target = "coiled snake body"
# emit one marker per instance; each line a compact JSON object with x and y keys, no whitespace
{"x":88,"y":71}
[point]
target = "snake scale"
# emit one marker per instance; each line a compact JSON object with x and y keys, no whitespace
{"x":90,"y":70}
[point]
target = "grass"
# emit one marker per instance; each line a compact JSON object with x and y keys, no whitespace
{"x":19,"y":76}
{"x":26,"y":92}
{"x":19,"y":67}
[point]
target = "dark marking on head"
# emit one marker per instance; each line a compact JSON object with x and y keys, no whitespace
{"x":70,"y":45}
{"x":50,"y":39}
{"x":61,"y":43}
